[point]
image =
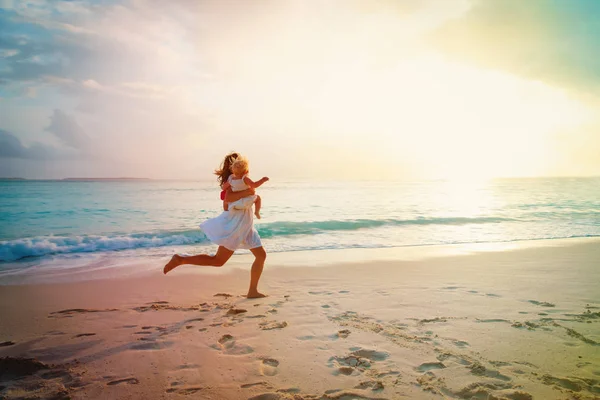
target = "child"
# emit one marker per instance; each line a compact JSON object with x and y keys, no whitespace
{"x":238,"y":181}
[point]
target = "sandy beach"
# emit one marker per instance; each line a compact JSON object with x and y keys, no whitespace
{"x":420,"y":180}
{"x":514,"y":324}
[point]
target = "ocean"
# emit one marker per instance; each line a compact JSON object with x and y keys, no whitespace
{"x":65,"y":224}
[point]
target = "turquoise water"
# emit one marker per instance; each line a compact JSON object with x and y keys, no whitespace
{"x":50,"y":220}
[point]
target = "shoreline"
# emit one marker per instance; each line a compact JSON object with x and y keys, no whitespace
{"x":518,"y":324}
{"x":107,"y":267}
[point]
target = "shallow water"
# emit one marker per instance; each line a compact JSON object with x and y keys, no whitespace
{"x":64,"y":220}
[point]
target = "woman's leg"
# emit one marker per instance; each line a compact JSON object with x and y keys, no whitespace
{"x":218,"y":260}
{"x":260,"y":255}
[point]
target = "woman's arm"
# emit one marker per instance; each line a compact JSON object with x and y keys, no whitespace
{"x":231,"y":196}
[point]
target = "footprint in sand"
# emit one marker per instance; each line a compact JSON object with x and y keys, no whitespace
{"x":73,"y":311}
{"x":268,"y":366}
{"x":187,"y":321}
{"x":357,"y":361}
{"x":269,"y":325}
{"x":249,"y":385}
{"x":344,"y":333}
{"x":372,"y":355}
{"x":479,"y":370}
{"x":185,"y":390}
{"x":383,"y":374}
{"x":373,"y":385}
{"x":527,"y":325}
{"x":460,"y":343}
{"x":228,"y":345}
{"x":430,"y":320}
{"x":570,"y":384}
{"x":236,"y":311}
{"x":291,"y":391}
{"x":492,"y":320}
{"x":481,"y":390}
{"x":500,"y":363}
{"x":226,"y":341}
{"x":449,"y":357}
{"x":256,"y":316}
{"x":430,"y":366}
{"x":84,"y":334}
{"x":130,"y":381}
{"x":541,"y":303}
{"x":164,"y":306}
{"x":5,"y":344}
{"x":269,"y":396}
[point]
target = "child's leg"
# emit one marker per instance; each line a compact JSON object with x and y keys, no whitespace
{"x":225,"y":206}
{"x":257,"y":204}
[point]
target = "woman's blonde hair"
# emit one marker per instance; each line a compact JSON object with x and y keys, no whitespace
{"x":240,"y":166}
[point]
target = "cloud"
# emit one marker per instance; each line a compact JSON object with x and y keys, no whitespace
{"x":68,"y":131}
{"x":138,"y":81}
{"x":7,"y":53}
{"x":549,"y":40}
{"x":31,"y":48}
{"x":31,"y":54}
{"x":11,"y":147}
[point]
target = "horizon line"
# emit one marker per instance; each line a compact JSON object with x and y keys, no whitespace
{"x":74,"y":179}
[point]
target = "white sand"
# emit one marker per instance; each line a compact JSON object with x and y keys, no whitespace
{"x":515,"y":324}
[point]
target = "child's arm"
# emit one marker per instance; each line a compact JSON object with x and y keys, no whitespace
{"x":256,"y":184}
{"x":225,"y":186}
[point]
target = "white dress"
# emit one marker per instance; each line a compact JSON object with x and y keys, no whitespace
{"x":234,"y":229}
{"x":237,"y":185}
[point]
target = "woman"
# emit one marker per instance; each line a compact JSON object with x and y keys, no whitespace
{"x":231,"y":230}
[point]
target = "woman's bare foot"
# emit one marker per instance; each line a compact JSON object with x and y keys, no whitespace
{"x":174,"y":263}
{"x":255,"y":295}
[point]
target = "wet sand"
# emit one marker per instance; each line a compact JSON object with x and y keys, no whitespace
{"x":516,"y":324}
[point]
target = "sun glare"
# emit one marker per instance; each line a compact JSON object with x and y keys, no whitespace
{"x":461,"y":121}
{"x":334,"y":84}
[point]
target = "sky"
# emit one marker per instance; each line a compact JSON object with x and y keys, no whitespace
{"x":332,"y":89}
